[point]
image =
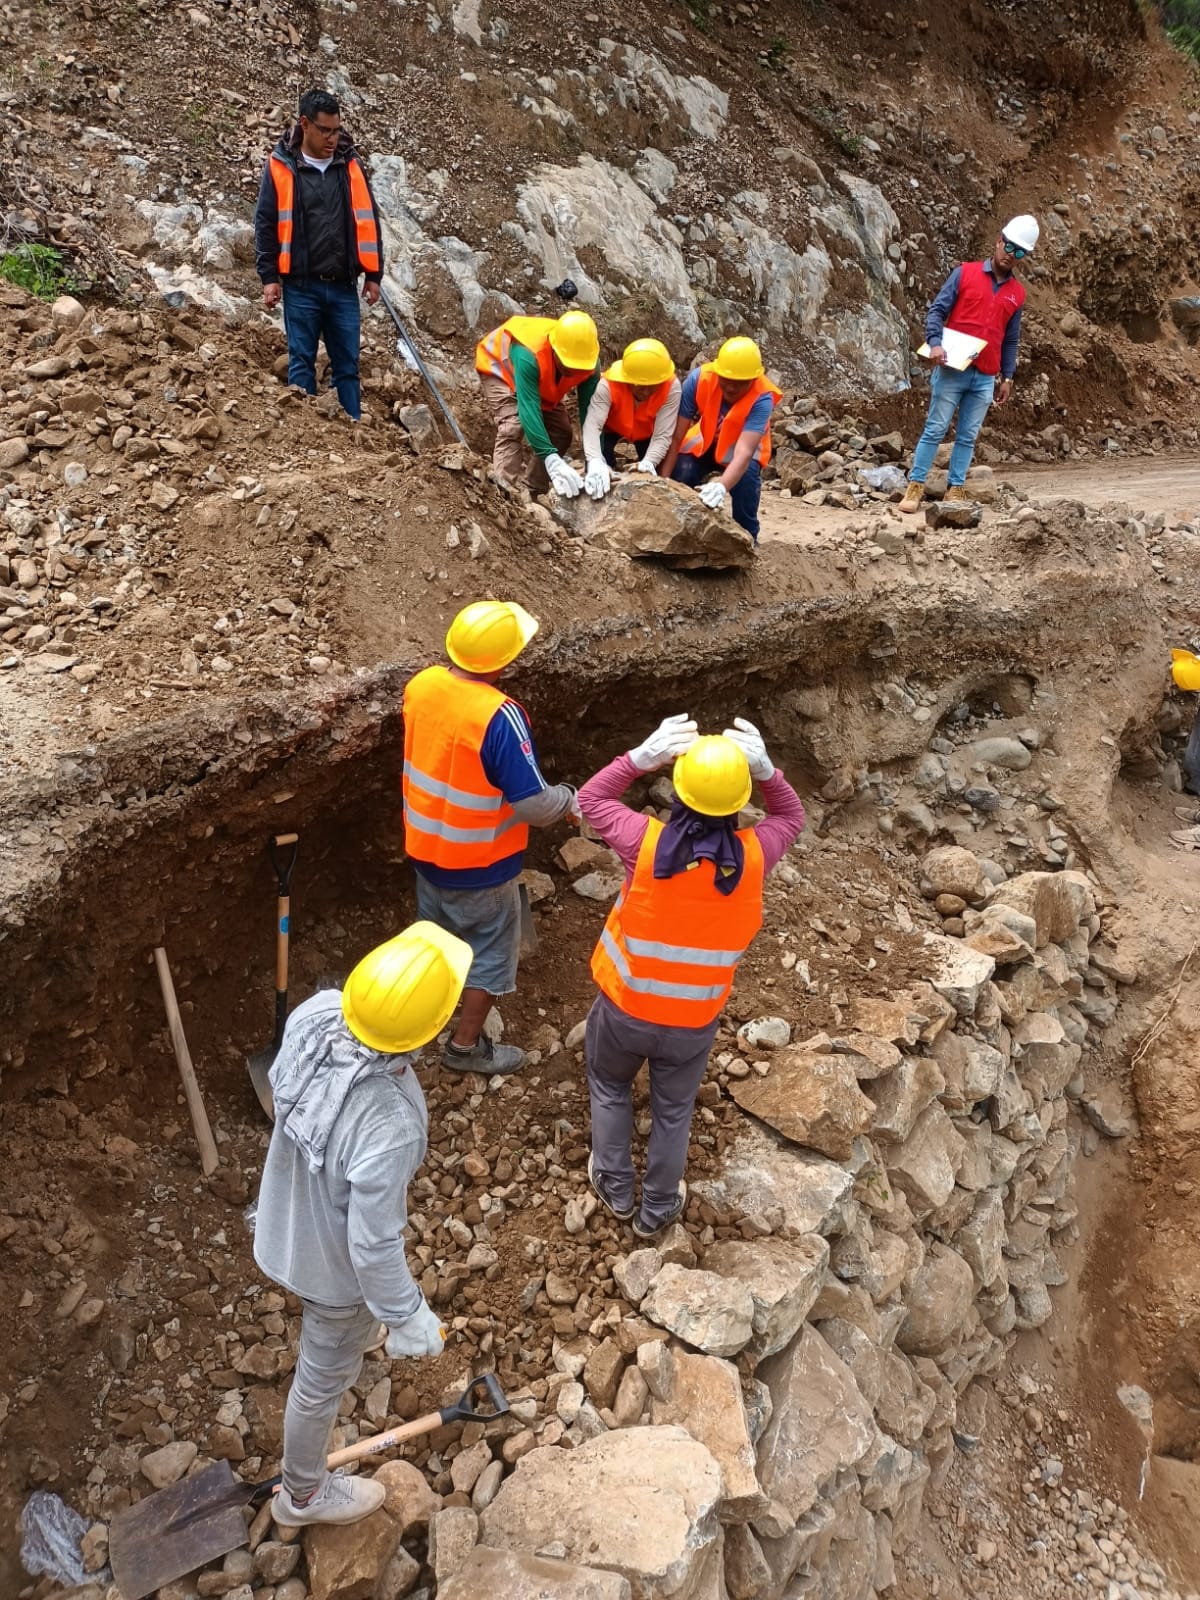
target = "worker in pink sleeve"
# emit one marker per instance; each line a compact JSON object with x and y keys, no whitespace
{"x":690,"y":905}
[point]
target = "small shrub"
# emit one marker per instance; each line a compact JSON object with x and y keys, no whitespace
{"x":38,"y":268}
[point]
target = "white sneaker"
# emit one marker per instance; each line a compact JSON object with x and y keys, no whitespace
{"x":339,"y":1499}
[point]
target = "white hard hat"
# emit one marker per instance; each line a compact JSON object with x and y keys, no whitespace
{"x":1022,"y":231}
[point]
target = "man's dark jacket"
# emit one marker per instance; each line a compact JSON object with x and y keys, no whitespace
{"x":266,"y":215}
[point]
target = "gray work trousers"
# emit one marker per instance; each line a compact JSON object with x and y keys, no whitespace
{"x":332,"y":1342}
{"x":615,"y":1046}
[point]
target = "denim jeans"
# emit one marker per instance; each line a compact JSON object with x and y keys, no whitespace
{"x":313,"y":310}
{"x":970,"y":394}
{"x":743,"y":497}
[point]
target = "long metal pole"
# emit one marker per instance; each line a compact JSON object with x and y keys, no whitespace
{"x":421,"y":367}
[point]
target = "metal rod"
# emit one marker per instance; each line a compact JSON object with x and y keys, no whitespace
{"x":421,"y":367}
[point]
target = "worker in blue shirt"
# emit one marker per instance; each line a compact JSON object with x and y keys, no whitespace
{"x":472,"y":790}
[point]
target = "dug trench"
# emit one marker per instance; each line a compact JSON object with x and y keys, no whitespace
{"x":966,"y":949}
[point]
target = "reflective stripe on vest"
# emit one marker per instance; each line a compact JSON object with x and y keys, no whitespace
{"x":634,"y":419}
{"x":366,"y":233}
{"x":699,"y":438}
{"x":984,"y":310}
{"x":493,"y":358}
{"x":454,"y":818}
{"x":649,"y":975}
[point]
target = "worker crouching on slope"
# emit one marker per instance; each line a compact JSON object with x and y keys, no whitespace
{"x":637,"y":400}
{"x":691,"y":904}
{"x":526,"y":368}
{"x":724,"y":428}
{"x":472,"y":790}
{"x":350,"y":1133}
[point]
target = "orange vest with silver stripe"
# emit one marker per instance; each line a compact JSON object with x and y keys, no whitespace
{"x":697,"y":441}
{"x":634,"y":419}
{"x":366,"y":234}
{"x":453,"y":816}
{"x":640,"y":963}
{"x":492,"y":358}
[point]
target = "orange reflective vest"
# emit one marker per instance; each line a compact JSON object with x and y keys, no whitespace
{"x":492,"y":357}
{"x":698,"y":440}
{"x":453,"y":816}
{"x":366,"y":233}
{"x":634,"y":419}
{"x":641,"y":963}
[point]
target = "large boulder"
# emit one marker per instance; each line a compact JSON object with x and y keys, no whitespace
{"x":819,"y":1425}
{"x":813,"y":1100}
{"x":980,"y":1240}
{"x":641,"y":1502}
{"x":763,"y":1174}
{"x":518,"y":1575}
{"x":1041,"y":1046}
{"x":958,"y":973}
{"x":704,"y":1395}
{"x":710,"y":1313}
{"x":783,"y":1277}
{"x":655,"y":517}
{"x":346,"y":1560}
{"x":902,"y":1095}
{"x":1057,"y":902}
{"x":937,"y":1302}
{"x":924,"y":1166}
{"x":952,"y":870}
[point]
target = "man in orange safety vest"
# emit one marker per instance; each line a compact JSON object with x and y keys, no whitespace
{"x":316,"y":228}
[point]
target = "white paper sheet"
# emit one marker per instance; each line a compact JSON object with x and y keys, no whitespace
{"x":961,"y":348}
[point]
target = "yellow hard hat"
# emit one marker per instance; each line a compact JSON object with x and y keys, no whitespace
{"x":713,"y":777}
{"x":575,"y":342}
{"x":646,"y":362}
{"x":404,"y":992}
{"x":488,"y":634}
{"x":739,"y":358}
{"x":1185,"y":669}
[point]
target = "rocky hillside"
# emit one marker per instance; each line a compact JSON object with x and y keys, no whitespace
{"x":805,"y":170}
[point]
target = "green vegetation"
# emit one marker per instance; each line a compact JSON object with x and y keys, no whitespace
{"x":38,"y":268}
{"x":780,"y":49}
{"x":1181,"y":19}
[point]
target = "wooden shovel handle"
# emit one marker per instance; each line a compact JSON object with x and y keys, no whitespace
{"x":385,"y":1441}
{"x":183,"y":1059}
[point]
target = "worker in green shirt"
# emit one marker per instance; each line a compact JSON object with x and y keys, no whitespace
{"x":527,"y":367}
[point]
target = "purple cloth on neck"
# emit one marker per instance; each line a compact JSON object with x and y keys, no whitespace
{"x":691,"y":836}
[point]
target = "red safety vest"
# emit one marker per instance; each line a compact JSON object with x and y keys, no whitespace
{"x":492,"y":357}
{"x":984,"y":311}
{"x":697,"y":441}
{"x":641,"y":963}
{"x":366,"y":233}
{"x":634,"y":419}
{"x":453,"y":816}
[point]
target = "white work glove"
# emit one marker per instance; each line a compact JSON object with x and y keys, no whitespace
{"x":563,"y":476}
{"x":713,"y":494}
{"x":671,"y":738}
{"x":646,"y":465}
{"x":599,"y":479}
{"x":421,"y":1334}
{"x":750,"y":742}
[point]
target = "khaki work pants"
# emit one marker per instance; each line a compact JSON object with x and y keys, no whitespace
{"x":511,"y":455}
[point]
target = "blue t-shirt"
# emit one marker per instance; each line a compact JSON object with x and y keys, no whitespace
{"x":757,"y":420}
{"x":510,"y":764}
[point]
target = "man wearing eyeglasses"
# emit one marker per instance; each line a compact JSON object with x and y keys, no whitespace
{"x":316,"y":228}
{"x":982,"y":299}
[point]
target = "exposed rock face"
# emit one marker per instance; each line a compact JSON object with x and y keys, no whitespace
{"x":641,"y":1502}
{"x":646,"y":516}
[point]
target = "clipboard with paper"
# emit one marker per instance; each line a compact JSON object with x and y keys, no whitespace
{"x":961,"y":348}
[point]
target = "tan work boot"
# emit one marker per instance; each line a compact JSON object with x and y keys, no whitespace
{"x":913,"y":496}
{"x":956,"y":491}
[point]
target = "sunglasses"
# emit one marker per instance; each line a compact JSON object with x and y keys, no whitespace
{"x":1014,"y":250}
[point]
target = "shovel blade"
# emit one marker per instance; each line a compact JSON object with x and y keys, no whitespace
{"x":259,"y":1067}
{"x":177,"y":1530}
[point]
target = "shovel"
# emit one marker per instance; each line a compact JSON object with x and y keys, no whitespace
{"x":201,"y":1518}
{"x":259,"y":1065}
